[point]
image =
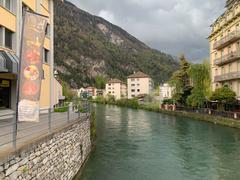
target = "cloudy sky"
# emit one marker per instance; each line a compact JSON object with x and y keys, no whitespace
{"x":172,"y":26}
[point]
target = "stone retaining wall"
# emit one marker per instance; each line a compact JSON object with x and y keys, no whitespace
{"x":57,"y":156}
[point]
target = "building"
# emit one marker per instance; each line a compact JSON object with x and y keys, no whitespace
{"x":166,"y":91}
{"x":91,"y":91}
{"x":58,"y":93}
{"x":224,"y":48}
{"x":139,"y":84}
{"x":116,"y":88}
{"x":11,"y":20}
{"x":79,"y":91}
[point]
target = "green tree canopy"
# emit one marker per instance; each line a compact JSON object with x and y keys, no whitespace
{"x":181,"y":81}
{"x":68,"y":92}
{"x":200,"y":80}
{"x":100,"y":82}
{"x":224,"y":95}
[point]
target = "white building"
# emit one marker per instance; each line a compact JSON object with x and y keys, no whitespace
{"x":139,"y":84}
{"x":116,"y":88}
{"x":166,"y":91}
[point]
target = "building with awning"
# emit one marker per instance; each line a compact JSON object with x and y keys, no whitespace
{"x":11,"y":13}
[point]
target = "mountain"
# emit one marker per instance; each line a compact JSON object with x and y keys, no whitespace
{"x":87,"y":46}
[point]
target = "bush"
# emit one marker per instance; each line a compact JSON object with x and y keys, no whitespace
{"x":61,"y":109}
{"x":168,"y":101}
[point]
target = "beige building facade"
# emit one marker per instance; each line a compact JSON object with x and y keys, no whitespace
{"x":139,"y":84}
{"x":116,"y":88}
{"x":11,"y":21}
{"x":225,"y":48}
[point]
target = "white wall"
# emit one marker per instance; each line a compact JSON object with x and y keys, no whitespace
{"x":137,"y":86}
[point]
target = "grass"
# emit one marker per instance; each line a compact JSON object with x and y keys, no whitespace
{"x":61,"y":109}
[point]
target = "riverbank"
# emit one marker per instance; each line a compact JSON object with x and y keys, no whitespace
{"x":155,"y":108}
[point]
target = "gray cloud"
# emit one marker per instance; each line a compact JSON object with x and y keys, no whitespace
{"x":173,"y":26}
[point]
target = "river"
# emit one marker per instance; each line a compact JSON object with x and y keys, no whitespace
{"x":142,"y":145}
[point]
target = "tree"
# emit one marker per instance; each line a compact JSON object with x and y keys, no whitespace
{"x":200,"y":79}
{"x":223,"y":95}
{"x":181,"y":82}
{"x":100,"y":82}
{"x":67,"y":92}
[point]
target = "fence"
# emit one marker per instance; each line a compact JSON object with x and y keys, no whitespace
{"x":226,"y":114}
{"x":14,"y":134}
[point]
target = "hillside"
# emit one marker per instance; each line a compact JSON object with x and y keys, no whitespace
{"x":87,"y":46}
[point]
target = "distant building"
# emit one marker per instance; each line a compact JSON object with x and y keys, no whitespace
{"x":91,"y":91}
{"x":116,"y":88}
{"x":100,"y":92}
{"x":224,"y":48}
{"x":166,"y":91}
{"x":139,"y":84}
{"x":79,"y":92}
{"x":58,"y":92}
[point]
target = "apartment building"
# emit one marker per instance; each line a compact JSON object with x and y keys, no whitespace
{"x":139,"y":84}
{"x":11,"y":20}
{"x":166,"y":91}
{"x":225,"y":48}
{"x":116,"y":88}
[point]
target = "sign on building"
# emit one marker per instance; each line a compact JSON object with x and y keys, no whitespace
{"x":31,"y":67}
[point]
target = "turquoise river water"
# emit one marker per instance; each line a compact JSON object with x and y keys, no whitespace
{"x":142,"y":145}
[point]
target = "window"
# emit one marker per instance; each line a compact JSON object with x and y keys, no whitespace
{"x":47,"y":31}
{"x":133,"y":90}
{"x":1,"y":36}
{"x":109,"y":84}
{"x":45,"y":56}
{"x":43,"y":74}
{"x":229,"y":49}
{"x":8,"y":38}
{"x":133,"y":96}
{"x":8,"y":4}
{"x":132,"y":84}
{"x":138,"y":90}
{"x":2,"y":61}
{"x":132,"y":79}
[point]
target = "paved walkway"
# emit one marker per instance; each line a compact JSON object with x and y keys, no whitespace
{"x":29,"y":131}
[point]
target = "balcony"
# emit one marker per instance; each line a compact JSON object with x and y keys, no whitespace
{"x":227,"y":77}
{"x":232,"y":56}
{"x":230,"y":38}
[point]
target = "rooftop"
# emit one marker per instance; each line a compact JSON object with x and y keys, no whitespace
{"x":115,"y":81}
{"x":139,"y":74}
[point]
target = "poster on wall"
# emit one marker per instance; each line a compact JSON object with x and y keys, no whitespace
{"x":31,"y":67}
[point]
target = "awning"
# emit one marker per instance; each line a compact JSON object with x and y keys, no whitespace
{"x":8,"y":62}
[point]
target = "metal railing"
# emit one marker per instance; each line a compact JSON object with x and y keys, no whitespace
{"x":232,"y":36}
{"x":15,"y":134}
{"x":232,"y":56}
{"x":211,"y":112}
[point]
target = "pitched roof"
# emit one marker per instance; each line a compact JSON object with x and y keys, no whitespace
{"x":139,"y":74}
{"x":115,"y":81}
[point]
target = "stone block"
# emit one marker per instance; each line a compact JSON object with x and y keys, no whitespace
{"x":11,"y":169}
